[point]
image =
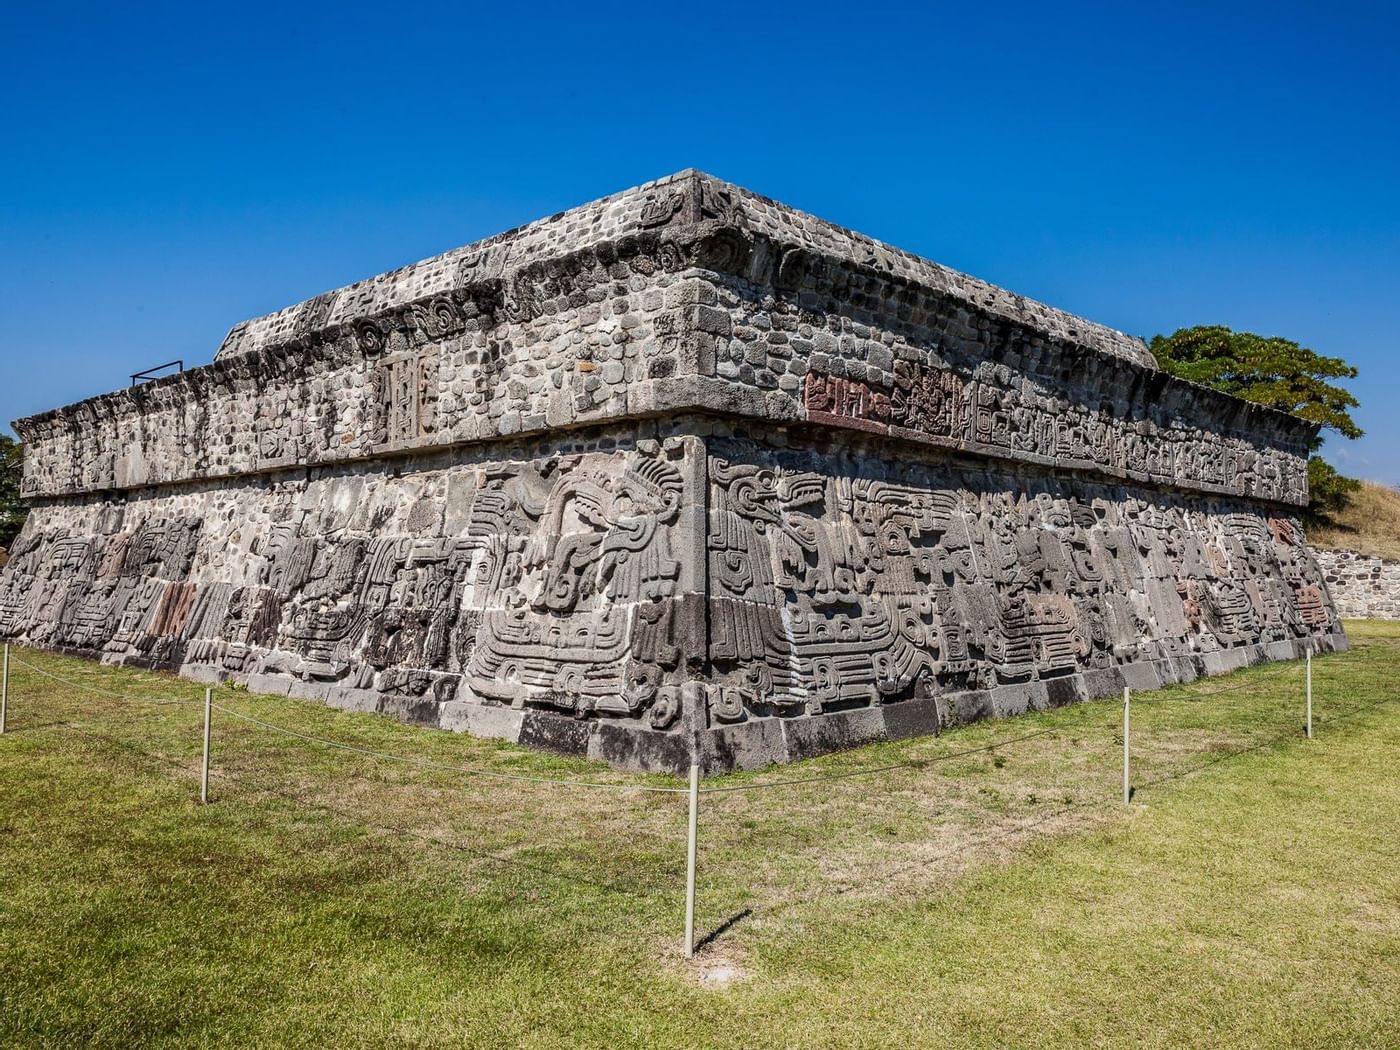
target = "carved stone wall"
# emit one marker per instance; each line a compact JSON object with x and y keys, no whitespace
{"x":680,"y":473}
{"x":685,"y":295}
{"x":637,"y":598}
{"x":843,"y":580}
{"x":1364,"y":587}
{"x":552,"y":582}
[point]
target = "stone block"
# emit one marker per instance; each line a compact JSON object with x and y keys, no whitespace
{"x":552,"y":732}
{"x":911,"y":718}
{"x":490,"y":721}
{"x":754,"y":744}
{"x":837,"y":731}
{"x":1142,"y":676}
{"x":271,"y":684}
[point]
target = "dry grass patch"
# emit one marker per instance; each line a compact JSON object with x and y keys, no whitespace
{"x":1369,"y":523}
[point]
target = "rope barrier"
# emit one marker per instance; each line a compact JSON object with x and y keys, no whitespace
{"x":1288,"y":668}
{"x":781,"y":905}
{"x":102,"y":692}
{"x":1181,"y":692}
{"x":599,"y":785}
{"x":916,"y":763}
{"x":1292,"y":734}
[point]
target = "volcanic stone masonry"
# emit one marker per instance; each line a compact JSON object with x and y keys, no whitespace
{"x":1363,"y":586}
{"x":681,"y":473}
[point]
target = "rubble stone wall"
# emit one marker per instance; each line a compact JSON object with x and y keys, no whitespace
{"x":1363,"y":586}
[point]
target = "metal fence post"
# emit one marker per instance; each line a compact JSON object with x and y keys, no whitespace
{"x":1309,"y":722}
{"x":5,"y":688}
{"x":690,"y":860}
{"x":1127,"y":706}
{"x":204,"y":772}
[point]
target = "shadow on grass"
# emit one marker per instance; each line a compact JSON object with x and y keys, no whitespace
{"x":723,"y":928}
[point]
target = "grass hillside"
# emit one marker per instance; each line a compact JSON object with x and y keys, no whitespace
{"x":994,"y":892}
{"x":1370,"y":523}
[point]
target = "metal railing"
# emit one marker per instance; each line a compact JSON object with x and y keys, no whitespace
{"x":150,"y":373}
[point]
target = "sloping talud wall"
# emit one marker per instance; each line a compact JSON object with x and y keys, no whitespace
{"x":680,"y":474}
{"x":638,"y":599}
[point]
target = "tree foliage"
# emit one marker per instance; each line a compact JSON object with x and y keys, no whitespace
{"x":1267,"y":370}
{"x":1277,"y":372}
{"x":1328,"y":490}
{"x":12,"y":506}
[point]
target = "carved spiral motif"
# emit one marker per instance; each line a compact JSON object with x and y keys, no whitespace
{"x":726,"y":704}
{"x":670,"y":256}
{"x":369,"y":337}
{"x":724,"y":250}
{"x":440,"y":317}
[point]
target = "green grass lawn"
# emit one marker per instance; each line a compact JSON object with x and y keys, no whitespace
{"x":1249,"y":897}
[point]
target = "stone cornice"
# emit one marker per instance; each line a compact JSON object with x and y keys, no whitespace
{"x":494,"y":296}
{"x":688,"y":231}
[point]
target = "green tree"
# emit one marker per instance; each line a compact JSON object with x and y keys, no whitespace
{"x":12,"y":506}
{"x":1277,"y":372}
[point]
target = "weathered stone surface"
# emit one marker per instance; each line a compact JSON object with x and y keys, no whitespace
{"x":1363,"y":586}
{"x":679,"y":473}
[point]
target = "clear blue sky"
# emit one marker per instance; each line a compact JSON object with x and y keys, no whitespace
{"x":172,"y":169}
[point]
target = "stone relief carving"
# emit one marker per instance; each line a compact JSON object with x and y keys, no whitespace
{"x":557,"y":589}
{"x":835,"y":585}
{"x":999,"y":410}
{"x":577,"y":581}
{"x":405,"y":394}
{"x":661,"y":208}
{"x":691,"y":202}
